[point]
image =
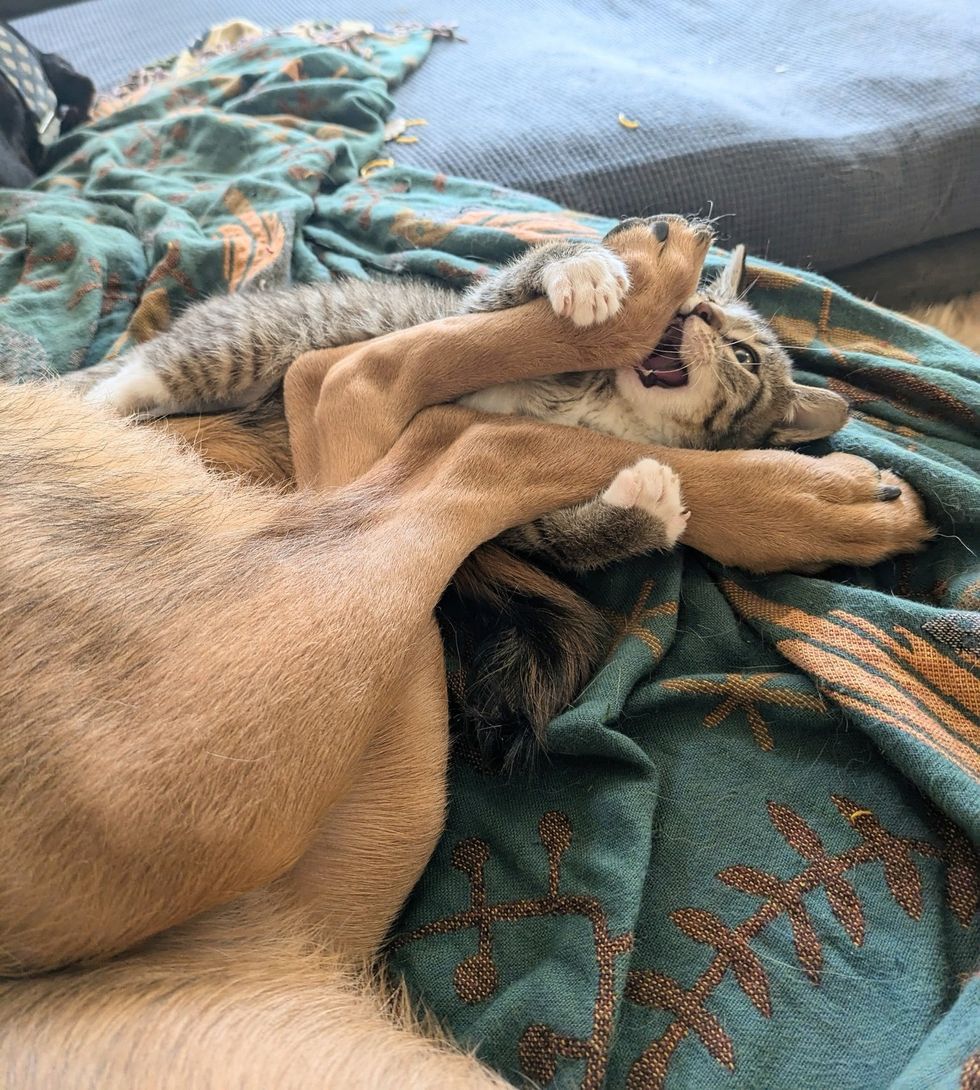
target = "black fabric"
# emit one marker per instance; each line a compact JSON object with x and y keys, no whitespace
{"x":49,"y":80}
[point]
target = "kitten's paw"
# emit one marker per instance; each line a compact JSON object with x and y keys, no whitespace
{"x":133,"y":388}
{"x":588,"y":288}
{"x":654,"y":489}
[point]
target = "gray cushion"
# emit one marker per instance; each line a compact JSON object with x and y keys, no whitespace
{"x":828,"y":134}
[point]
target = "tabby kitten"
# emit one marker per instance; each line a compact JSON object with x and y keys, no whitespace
{"x":718,"y":378}
{"x":526,"y":642}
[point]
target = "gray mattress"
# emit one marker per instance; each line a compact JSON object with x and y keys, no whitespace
{"x":843,"y":136}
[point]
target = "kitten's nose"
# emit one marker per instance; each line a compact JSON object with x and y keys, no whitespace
{"x":709,"y":314}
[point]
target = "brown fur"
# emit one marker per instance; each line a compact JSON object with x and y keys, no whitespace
{"x":225,"y":706}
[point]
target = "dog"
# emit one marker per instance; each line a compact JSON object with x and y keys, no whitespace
{"x":226,"y":732}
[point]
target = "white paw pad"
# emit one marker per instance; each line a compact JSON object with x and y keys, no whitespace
{"x":588,"y":288}
{"x":653,"y":488}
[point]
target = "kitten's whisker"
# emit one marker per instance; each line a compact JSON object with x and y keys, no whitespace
{"x":743,"y":294}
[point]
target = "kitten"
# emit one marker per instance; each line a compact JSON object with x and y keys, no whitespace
{"x":525,"y":640}
{"x":718,"y":378}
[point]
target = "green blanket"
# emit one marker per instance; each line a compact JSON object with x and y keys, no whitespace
{"x":749,"y":858}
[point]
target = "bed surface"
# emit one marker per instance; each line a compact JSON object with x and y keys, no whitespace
{"x":826,"y":142}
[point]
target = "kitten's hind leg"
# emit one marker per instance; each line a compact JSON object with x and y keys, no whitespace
{"x":225,"y":352}
{"x":641,"y":511}
{"x":583,"y":281}
{"x":149,"y":383}
{"x":138,"y":388}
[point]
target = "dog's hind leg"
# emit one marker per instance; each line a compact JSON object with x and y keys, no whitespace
{"x":241,"y":1000}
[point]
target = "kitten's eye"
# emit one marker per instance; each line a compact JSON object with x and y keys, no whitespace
{"x":746,"y":356}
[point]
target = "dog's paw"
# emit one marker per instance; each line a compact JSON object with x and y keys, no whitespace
{"x":654,"y":489}
{"x":588,"y":288}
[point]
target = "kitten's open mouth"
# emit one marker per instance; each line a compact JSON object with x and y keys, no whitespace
{"x":664,"y":367}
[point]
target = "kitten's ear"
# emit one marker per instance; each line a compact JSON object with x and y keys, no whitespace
{"x":728,"y":284}
{"x":813,"y":414}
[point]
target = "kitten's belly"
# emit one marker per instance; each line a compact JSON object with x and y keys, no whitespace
{"x":509,"y":399}
{"x":611,"y":416}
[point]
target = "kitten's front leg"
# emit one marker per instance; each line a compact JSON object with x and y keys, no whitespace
{"x":641,"y":511}
{"x":583,"y":281}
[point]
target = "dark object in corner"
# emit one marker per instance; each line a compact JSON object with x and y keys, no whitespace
{"x":40,"y":95}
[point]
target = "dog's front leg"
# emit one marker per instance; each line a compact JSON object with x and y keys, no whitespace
{"x":347,"y":406}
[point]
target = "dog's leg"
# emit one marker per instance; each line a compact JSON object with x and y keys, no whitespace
{"x":262,"y":650}
{"x":363,"y":397}
{"x":241,"y":1000}
{"x":762,"y":510}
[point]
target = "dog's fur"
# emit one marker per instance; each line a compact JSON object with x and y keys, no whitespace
{"x":225,"y":739}
{"x":958,"y":318}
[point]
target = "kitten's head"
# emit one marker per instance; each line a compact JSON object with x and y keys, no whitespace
{"x":719,"y":378}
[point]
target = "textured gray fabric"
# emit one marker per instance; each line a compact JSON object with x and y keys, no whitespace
{"x":932,"y":272}
{"x":829,"y":133}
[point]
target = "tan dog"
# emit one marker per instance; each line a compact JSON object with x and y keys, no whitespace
{"x":225,"y":726}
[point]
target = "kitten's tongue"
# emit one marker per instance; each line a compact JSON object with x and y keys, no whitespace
{"x":657,"y":370}
{"x":663,"y":367}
